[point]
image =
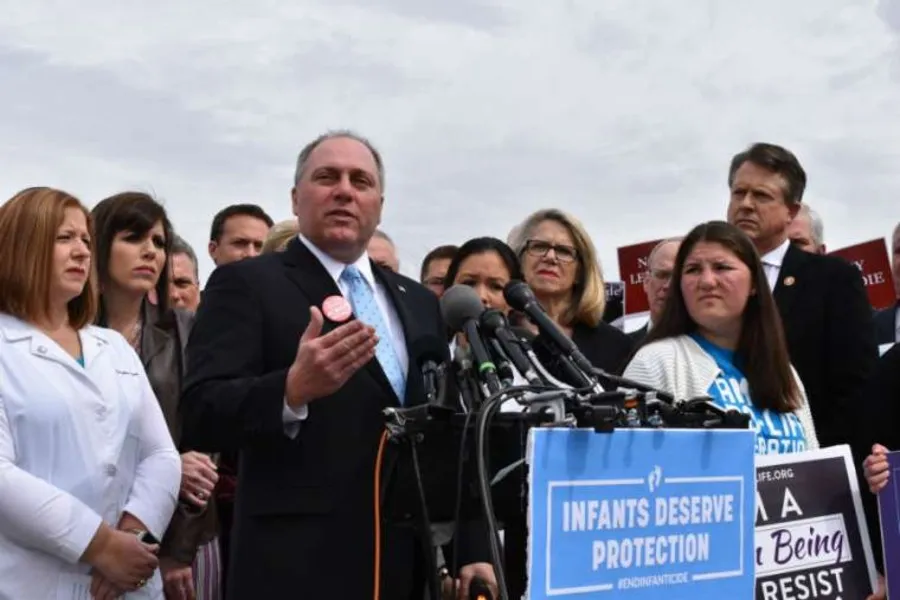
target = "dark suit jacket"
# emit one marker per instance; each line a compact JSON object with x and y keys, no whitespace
{"x":885,"y":325}
{"x":637,"y":336}
{"x":303,"y":522}
{"x":163,"y":338}
{"x":882,"y":426}
{"x":830,"y":336}
{"x":605,"y":346}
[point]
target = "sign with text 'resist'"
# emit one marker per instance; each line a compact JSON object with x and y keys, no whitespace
{"x":871,"y":258}
{"x":889,"y":515}
{"x":641,"y":513}
{"x":633,"y":268}
{"x":811,"y":537}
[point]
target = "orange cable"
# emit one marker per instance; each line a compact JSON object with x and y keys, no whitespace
{"x":379,"y":458}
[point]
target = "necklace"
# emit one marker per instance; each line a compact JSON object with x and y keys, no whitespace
{"x":134,"y":336}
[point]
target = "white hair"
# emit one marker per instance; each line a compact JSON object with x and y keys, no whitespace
{"x":816,"y":227}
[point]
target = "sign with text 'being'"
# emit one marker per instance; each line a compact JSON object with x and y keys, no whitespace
{"x":811,"y":537}
{"x":641,"y":513}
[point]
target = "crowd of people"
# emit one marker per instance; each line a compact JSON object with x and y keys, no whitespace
{"x":163,"y":440}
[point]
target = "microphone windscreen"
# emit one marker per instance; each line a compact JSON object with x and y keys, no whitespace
{"x":491,"y":320}
{"x":518,"y":294}
{"x":429,"y":347}
{"x":459,"y":304}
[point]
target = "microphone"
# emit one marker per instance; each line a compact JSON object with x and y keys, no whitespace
{"x":504,"y":369}
{"x":520,"y":297}
{"x":468,"y":387}
{"x":495,"y":324}
{"x":430,"y":353}
{"x":623,"y":382}
{"x":461,"y":308}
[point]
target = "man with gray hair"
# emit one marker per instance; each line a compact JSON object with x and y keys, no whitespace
{"x":294,"y":359}
{"x":184,"y":282}
{"x":382,"y":250}
{"x":656,"y":282}
{"x":806,"y":230}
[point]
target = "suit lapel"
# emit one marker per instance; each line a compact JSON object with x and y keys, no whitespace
{"x":153,"y":337}
{"x":788,"y":279}
{"x":308,"y":274}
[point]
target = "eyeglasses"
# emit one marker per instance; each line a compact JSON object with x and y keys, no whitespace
{"x":540,"y":248}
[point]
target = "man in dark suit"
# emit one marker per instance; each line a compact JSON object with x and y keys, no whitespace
{"x":303,"y":392}
{"x":823,"y":304}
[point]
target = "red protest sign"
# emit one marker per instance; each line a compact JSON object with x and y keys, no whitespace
{"x":871,"y":258}
{"x":632,"y":270}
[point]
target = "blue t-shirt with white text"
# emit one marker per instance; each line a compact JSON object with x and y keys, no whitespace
{"x":776,"y":433}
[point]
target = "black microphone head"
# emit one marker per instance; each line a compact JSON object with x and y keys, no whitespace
{"x":460,"y":304}
{"x":518,"y":294}
{"x":492,"y":319}
{"x":429,"y":348}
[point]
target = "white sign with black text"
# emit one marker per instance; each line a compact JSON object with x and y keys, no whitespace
{"x":811,"y":537}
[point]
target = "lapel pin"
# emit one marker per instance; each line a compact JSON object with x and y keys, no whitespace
{"x":789,"y":280}
{"x":336,"y":309}
{"x":401,"y":288}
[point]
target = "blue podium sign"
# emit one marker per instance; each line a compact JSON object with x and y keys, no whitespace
{"x":641,"y":513}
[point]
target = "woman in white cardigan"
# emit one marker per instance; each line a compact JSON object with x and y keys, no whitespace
{"x":720,"y":336}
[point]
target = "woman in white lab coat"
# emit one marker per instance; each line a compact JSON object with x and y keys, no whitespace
{"x":89,"y":475}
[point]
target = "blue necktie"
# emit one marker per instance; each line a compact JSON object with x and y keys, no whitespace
{"x":366,"y":309}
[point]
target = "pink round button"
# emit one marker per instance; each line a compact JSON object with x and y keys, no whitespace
{"x":336,"y":309}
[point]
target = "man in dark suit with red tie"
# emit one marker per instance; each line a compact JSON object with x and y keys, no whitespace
{"x":303,"y":392}
{"x":823,"y":305}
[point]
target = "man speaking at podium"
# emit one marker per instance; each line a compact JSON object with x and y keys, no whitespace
{"x":278,"y":363}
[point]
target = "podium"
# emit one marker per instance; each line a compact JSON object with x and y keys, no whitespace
{"x":528,"y":464}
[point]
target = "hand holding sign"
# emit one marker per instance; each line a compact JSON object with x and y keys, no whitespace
{"x":324,"y":363}
{"x":876,"y":468}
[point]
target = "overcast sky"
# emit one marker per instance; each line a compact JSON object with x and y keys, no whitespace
{"x":624,"y":112}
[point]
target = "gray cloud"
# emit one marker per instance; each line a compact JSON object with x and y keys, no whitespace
{"x":624,"y":113}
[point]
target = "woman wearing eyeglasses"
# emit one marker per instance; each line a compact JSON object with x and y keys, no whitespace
{"x":561,"y":267}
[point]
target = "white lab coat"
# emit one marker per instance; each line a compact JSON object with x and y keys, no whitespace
{"x":77,"y":445}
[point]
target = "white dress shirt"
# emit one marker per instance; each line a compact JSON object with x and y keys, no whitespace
{"x":78,"y":446}
{"x":772,"y":260}
{"x":292,"y":417}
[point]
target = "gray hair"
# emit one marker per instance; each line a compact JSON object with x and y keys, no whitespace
{"x":659,"y":246}
{"x":303,"y":157}
{"x":380,"y":234}
{"x":180,"y":246}
{"x":816,"y":226}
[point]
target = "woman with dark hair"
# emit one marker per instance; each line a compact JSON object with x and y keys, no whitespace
{"x":134,"y":237}
{"x":486,"y":264}
{"x":720,"y":336}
